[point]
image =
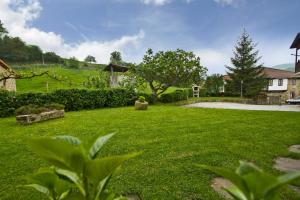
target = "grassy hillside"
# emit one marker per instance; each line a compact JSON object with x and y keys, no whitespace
{"x":288,"y":67}
{"x":71,"y":78}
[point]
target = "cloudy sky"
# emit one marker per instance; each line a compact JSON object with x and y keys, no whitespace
{"x":207,"y":27}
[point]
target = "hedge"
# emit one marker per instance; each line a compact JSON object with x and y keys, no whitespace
{"x":72,"y":99}
{"x":177,"y":95}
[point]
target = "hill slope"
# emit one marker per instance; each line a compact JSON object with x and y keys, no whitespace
{"x":68,"y":78}
{"x":288,"y":67}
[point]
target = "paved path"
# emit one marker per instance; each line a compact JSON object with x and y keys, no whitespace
{"x":239,"y":106}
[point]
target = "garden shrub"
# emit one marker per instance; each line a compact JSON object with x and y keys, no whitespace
{"x":35,"y":109}
{"x":72,"y":99}
{"x":148,"y":97}
{"x":142,"y":99}
{"x":177,"y":95}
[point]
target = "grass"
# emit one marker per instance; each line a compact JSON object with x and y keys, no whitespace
{"x":172,"y":138}
{"x":38,"y":84}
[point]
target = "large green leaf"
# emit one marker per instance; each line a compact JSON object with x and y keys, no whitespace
{"x":236,"y":193}
{"x":98,"y":144}
{"x":59,"y":153}
{"x":282,"y":180}
{"x":234,"y":178}
{"x":98,"y":169}
{"x":44,"y":177}
{"x":39,"y":188}
{"x":70,"y":139}
{"x":257,"y":183}
{"x":73,"y":177}
{"x":246,"y":168}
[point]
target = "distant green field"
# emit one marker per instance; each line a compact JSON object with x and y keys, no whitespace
{"x":74,"y":76}
{"x":39,"y":84}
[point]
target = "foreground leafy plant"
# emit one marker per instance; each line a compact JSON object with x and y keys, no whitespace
{"x":251,"y":183}
{"x":77,"y":174}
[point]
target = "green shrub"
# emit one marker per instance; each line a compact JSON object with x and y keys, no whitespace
{"x":142,"y":99}
{"x":72,"y":99}
{"x":54,"y":106}
{"x":7,"y":107}
{"x":177,"y":95}
{"x":35,"y":109}
{"x":148,"y":97}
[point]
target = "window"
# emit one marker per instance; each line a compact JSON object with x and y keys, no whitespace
{"x":280,"y":82}
{"x":271,"y":82}
{"x":293,"y":81}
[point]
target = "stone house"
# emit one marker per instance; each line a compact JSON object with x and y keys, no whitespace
{"x":7,"y":84}
{"x":282,"y":83}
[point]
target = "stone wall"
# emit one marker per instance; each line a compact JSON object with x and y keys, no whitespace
{"x":9,"y":84}
{"x":32,"y":118}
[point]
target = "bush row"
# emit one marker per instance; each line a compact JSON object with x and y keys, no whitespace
{"x":73,"y":99}
{"x":177,"y":95}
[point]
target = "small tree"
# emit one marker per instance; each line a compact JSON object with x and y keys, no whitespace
{"x":214,"y":84}
{"x":90,"y":59}
{"x":3,"y":30}
{"x":246,"y":75}
{"x":115,"y":57}
{"x":72,"y":63}
{"x":171,"y":68}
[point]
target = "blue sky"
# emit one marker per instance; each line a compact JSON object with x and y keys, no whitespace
{"x":207,"y":27}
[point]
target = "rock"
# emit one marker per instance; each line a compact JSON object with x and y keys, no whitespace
{"x":141,"y":105}
{"x":29,"y":119}
{"x":218,"y":184}
{"x":287,"y":164}
{"x":133,"y":197}
{"x":295,"y":148}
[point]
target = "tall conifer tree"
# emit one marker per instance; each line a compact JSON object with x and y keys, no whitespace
{"x":246,"y":74}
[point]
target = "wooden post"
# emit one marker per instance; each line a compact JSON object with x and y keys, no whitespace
{"x":296,"y":60}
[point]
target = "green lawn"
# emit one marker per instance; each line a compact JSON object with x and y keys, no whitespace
{"x":38,"y":84}
{"x":173,"y":140}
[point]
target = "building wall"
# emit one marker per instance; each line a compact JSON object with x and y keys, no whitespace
{"x":294,"y":88}
{"x":276,"y":87}
{"x":9,"y":84}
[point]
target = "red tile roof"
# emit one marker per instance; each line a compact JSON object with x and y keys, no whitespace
{"x":274,"y":73}
{"x":4,"y":65}
{"x":277,"y":73}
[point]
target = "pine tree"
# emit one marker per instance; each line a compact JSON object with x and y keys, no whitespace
{"x":246,"y":74}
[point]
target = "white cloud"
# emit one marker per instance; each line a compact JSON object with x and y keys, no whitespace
{"x":17,"y":14}
{"x":214,"y":60}
{"x":161,"y":2}
{"x":156,"y":2}
{"x":228,"y":2}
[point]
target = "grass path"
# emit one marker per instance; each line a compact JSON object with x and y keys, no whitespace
{"x":172,"y":138}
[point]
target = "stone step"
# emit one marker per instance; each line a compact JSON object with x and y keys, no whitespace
{"x":287,"y":164}
{"x":218,"y":184}
{"x":295,"y":148}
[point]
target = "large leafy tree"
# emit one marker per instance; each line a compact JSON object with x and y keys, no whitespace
{"x":116,"y":57}
{"x":170,"y":68}
{"x":246,"y":74}
{"x":90,"y":59}
{"x":214,"y":83}
{"x":14,"y":49}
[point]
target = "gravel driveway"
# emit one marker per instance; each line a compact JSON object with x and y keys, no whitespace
{"x":239,"y":106}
